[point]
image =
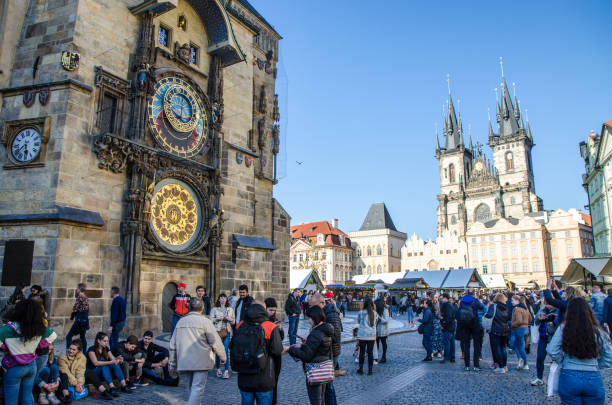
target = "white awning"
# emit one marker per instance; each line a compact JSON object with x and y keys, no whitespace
{"x":599,"y":267}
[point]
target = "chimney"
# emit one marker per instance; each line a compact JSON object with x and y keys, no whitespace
{"x":335,"y":223}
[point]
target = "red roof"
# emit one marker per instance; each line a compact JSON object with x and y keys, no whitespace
{"x":587,"y":217}
{"x":608,"y":123}
{"x":310,"y":231}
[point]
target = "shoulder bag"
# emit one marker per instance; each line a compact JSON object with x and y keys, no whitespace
{"x":487,"y":323}
{"x":321,"y":373}
{"x":223,"y":331}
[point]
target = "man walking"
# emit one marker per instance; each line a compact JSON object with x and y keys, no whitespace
{"x":117,"y":316}
{"x":448,"y":328}
{"x":470,"y":328}
{"x":201,"y":293}
{"x":190,"y":349}
{"x":179,"y":305}
{"x":292,"y":309}
{"x":80,"y":315}
{"x":255,"y":344}
{"x":243,"y":303}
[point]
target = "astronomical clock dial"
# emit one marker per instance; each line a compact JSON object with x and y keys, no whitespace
{"x":176,"y":214}
{"x":177,"y":117}
{"x":26,"y":145}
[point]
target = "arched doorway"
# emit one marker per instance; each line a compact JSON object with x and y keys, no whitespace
{"x":168,"y":293}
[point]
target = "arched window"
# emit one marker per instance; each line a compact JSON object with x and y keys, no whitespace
{"x":379,"y":270}
{"x":451,"y":173}
{"x":482,"y":213}
{"x":369,"y":251}
{"x":369,"y":269}
{"x":509,"y":161}
{"x":379,"y":250}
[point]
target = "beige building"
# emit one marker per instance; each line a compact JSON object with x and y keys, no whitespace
{"x":323,"y":247}
{"x":533,"y":248}
{"x":377,"y":244}
{"x":139,"y":144}
{"x":445,"y":252}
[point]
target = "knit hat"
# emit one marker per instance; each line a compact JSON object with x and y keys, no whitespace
{"x":182,"y":285}
{"x":329,"y":295}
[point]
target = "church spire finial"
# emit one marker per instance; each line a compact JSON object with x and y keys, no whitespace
{"x":501,"y":64}
{"x":448,"y":82}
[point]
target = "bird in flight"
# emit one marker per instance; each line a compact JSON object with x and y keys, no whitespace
{"x":298,"y":162}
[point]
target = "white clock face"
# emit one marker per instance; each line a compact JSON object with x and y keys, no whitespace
{"x":479,"y":166}
{"x":26,"y":145}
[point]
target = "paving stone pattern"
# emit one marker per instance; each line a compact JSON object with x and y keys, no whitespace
{"x":403,"y":379}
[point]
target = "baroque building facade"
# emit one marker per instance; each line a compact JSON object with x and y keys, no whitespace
{"x":139,"y":143}
{"x":323,"y":247}
{"x":445,"y":252}
{"x":377,"y":244}
{"x":473,"y":189}
{"x":597,"y":181}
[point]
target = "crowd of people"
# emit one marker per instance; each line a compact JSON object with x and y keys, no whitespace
{"x":573,"y":332}
{"x":244,"y":335}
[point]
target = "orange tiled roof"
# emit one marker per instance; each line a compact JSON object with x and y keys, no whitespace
{"x":608,"y":123}
{"x":310,"y":231}
{"x":587,"y":217}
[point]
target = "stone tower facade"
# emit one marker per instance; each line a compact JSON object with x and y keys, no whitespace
{"x":139,"y":143}
{"x":472,"y":189}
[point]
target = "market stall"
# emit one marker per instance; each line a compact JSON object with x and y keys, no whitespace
{"x":588,"y":271}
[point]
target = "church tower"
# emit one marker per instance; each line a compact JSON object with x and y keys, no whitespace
{"x":511,"y":147}
{"x":455,"y":161}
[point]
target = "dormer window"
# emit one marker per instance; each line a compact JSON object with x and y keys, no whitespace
{"x":341,"y":240}
{"x":320,"y":239}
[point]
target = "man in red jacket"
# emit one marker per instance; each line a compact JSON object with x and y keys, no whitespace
{"x":179,"y":305}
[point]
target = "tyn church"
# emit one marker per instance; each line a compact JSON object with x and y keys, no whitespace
{"x":474,"y":189}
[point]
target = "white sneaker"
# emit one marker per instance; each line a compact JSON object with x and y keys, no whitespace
{"x":53,"y":399}
{"x":526,"y":366}
{"x":521,"y":363}
{"x":537,"y":382}
{"x":42,"y":399}
{"x":375,"y":361}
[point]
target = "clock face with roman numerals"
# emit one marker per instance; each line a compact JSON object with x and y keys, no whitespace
{"x":26,"y":145}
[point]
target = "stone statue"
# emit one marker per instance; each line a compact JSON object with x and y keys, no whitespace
{"x":148,"y":201}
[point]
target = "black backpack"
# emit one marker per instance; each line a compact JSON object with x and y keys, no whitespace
{"x":248,"y":349}
{"x":466,"y":315}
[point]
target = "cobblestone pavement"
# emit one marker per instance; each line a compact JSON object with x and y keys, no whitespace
{"x":403,"y":379}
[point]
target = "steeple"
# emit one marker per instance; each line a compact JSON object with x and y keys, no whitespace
{"x":452,"y":127}
{"x":508,"y":114}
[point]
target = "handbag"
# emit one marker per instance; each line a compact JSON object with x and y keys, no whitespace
{"x":535,"y":334}
{"x":223,"y":332}
{"x":77,"y":395}
{"x":552,"y":388}
{"x":320,"y":373}
{"x":487,"y":323}
{"x":421,"y":329}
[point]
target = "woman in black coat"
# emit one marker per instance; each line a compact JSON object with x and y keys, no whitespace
{"x":500,"y":331}
{"x":316,"y":349}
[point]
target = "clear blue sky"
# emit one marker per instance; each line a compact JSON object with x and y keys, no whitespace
{"x":362,"y":85}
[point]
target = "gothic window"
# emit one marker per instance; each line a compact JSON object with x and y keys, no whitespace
{"x":369,"y":251}
{"x":194,"y":54}
{"x":163,"y":36}
{"x":379,"y":250}
{"x":108,"y":113}
{"x":111,"y":100}
{"x":451,"y":173}
{"x":509,"y":161}
{"x":483,"y":213}
{"x":453,"y":220}
{"x":390,"y":250}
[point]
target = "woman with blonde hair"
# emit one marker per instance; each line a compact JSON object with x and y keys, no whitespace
{"x":499,"y":332}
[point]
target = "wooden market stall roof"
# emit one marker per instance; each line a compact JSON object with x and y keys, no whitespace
{"x":578,"y":269}
{"x":448,"y":279}
{"x":408,"y":284}
{"x":302,"y":277}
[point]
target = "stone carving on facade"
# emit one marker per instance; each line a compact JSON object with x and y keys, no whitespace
{"x":182,"y":52}
{"x":275,"y":139}
{"x":262,"y":100}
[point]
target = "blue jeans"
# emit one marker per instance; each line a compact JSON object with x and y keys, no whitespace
{"x":47,"y":375}
{"x":175,"y":319}
{"x":293,"y":328}
{"x":581,"y":387}
{"x":518,"y":342}
{"x":542,"y":343}
{"x":410,"y":314}
{"x":105,"y":372}
{"x":114,"y":337}
{"x":448,"y":340}
{"x":262,"y":398}
{"x":499,"y":344}
{"x":226,"y":343}
{"x":18,"y":383}
{"x":427,"y":344}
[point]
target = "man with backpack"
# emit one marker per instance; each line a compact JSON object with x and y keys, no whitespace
{"x":255,"y":343}
{"x":447,"y":322}
{"x":470,"y":328}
